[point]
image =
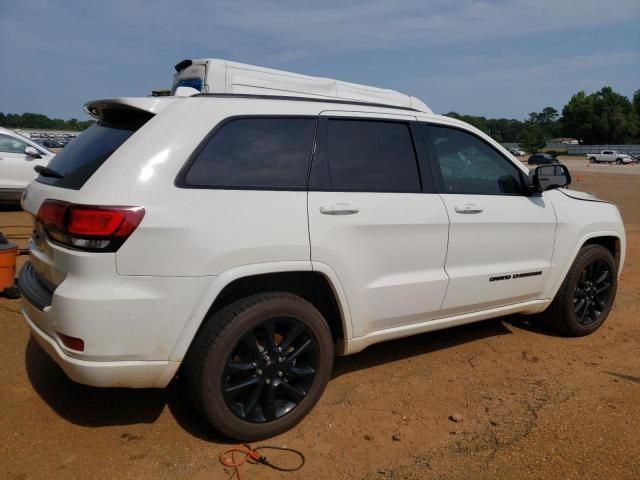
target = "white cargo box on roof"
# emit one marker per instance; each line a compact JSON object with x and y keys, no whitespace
{"x":212,"y":75}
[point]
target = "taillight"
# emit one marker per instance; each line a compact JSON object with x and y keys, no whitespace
{"x":87,"y":227}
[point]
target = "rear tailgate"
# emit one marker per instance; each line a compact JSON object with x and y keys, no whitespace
{"x":117,"y":120}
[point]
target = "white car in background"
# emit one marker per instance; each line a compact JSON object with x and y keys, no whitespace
{"x":18,"y":156}
{"x":610,"y":156}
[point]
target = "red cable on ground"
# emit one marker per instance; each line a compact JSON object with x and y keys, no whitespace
{"x":253,"y":456}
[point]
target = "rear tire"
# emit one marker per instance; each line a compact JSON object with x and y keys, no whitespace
{"x":259,"y":365}
{"x":586,"y":296}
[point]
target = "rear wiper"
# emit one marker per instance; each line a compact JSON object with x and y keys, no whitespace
{"x":47,"y":172}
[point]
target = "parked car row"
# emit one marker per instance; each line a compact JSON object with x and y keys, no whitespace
{"x":52,"y":140}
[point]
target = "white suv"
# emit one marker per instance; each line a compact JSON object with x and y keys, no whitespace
{"x":249,"y":238}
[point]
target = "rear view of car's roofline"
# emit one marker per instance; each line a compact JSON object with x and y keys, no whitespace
{"x":152,"y":105}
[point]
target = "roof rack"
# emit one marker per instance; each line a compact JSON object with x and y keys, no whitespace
{"x":304,"y":99}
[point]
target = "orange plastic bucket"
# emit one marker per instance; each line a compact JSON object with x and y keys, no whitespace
{"x":8,"y":254}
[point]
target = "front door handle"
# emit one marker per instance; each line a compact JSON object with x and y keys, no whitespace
{"x":339,"y":209}
{"x":469,"y":208}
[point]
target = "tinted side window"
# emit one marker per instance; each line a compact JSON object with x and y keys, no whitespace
{"x":469,"y":165}
{"x":90,"y":150}
{"x":368,"y":155}
{"x":255,"y":153}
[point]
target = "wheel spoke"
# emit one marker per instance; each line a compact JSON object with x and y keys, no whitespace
{"x":252,"y":343}
{"x":581,"y":303}
{"x":299,"y":350}
{"x":587,"y":303}
{"x":269,"y":331}
{"x":300,"y":371}
{"x":291,"y":336}
{"x":240,"y":386}
{"x":604,"y":287}
{"x":270,"y":402}
{"x":292,"y":392}
{"x":602,"y":277}
{"x":251,"y":404}
{"x":240,"y":367}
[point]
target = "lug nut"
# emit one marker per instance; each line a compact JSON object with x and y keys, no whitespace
{"x":279,"y":374}
{"x":267,"y":381}
{"x":280,"y":359}
{"x":259,"y":372}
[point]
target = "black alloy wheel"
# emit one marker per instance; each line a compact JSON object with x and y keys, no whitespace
{"x":592,"y":294}
{"x":270,"y":370}
{"x":586,"y":296}
{"x":258,"y":365}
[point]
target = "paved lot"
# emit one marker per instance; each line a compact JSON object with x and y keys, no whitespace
{"x":533,"y":405}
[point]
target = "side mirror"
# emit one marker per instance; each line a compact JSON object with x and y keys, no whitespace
{"x":548,"y":177}
{"x":32,"y":152}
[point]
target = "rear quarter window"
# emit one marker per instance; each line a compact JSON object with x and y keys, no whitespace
{"x":83,"y":157}
{"x":254,"y":153}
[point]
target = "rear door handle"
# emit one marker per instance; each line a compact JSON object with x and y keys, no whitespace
{"x":469,"y":208}
{"x":339,"y":209}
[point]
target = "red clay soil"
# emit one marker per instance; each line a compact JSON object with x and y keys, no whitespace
{"x":529,"y":403}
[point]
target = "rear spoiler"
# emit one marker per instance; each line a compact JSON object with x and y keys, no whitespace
{"x":149,"y":105}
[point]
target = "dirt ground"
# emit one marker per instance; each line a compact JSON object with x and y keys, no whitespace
{"x":532,"y":404}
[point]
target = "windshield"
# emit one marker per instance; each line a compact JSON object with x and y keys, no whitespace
{"x":188,"y":82}
{"x":82,"y":157}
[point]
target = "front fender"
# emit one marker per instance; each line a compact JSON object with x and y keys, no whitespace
{"x":579,"y":221}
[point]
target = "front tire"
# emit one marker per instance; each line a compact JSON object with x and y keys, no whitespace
{"x":593,"y":160}
{"x":586,"y":296}
{"x":618,"y":161}
{"x":259,"y":365}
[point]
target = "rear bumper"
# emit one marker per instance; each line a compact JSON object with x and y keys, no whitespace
{"x":129,"y":324}
{"x":130,"y":374}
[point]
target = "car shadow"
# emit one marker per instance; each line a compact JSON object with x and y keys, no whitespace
{"x":10,"y":206}
{"x":98,"y":407}
{"x":533,"y":324}
{"x":413,"y":346}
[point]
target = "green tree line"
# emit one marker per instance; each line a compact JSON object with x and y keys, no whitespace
{"x":38,"y":121}
{"x":602,"y":117}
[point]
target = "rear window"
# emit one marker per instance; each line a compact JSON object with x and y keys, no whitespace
{"x":255,"y":153}
{"x":371,"y":156}
{"x":81,"y":158}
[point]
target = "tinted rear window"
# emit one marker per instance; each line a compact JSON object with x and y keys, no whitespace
{"x":258,"y":153}
{"x":372,"y":156}
{"x":81,"y":158}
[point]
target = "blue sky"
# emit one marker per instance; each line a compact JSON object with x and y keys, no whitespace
{"x":496,"y":58}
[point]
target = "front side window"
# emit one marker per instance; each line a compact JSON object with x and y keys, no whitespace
{"x":468,"y":165}
{"x":260,"y":152}
{"x":372,"y":156}
{"x":11,"y":145}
